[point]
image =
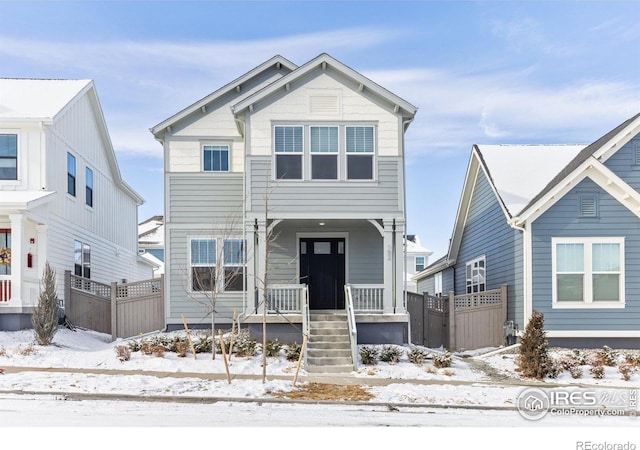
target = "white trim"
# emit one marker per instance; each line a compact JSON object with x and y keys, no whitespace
{"x":210,"y":143}
{"x":470,"y":263}
{"x":593,"y":333}
{"x":619,"y":141}
{"x":587,"y":302}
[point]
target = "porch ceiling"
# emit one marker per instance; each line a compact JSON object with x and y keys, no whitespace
{"x":23,"y":200}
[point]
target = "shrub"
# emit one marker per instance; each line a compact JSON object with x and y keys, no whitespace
{"x":441,"y":360}
{"x":204,"y":344}
{"x":576,"y":371}
{"x":568,"y":363}
{"x":626,"y":370}
{"x":597,"y":371}
{"x":417,"y":356}
{"x":181,"y":349}
{"x":292,"y":352}
{"x":134,"y":346}
{"x":45,"y":316}
{"x":245,"y":344}
{"x":226,"y":338}
{"x":533,"y":359}
{"x":3,"y":351}
{"x":158,"y":350}
{"x":369,"y":354}
{"x":123,"y":353}
{"x":273,"y":347}
{"x":608,"y":357}
{"x":632,"y":358}
{"x":555,"y":368}
{"x":581,"y":358}
{"x":26,"y":350}
{"x":146,"y":348}
{"x":390,"y":354}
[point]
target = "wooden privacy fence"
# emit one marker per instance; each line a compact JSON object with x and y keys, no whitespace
{"x":463,"y":322}
{"x":121,"y":310}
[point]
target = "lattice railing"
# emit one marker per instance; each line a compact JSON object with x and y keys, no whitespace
{"x":138,"y":288}
{"x":485,"y":298}
{"x":85,"y":284}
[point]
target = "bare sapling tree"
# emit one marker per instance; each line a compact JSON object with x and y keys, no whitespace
{"x":45,"y":315}
{"x":217,"y":266}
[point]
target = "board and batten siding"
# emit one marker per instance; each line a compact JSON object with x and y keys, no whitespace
{"x":561,"y":220}
{"x":487,"y":233}
{"x":364,"y":251}
{"x":180,"y":299}
{"x":377,"y":199}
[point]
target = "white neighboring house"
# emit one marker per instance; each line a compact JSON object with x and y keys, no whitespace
{"x":416,"y":259}
{"x":151,"y":243}
{"x":62,"y":198}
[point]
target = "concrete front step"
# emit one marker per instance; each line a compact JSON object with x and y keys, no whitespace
{"x":329,"y":332}
{"x":346,"y":368}
{"x":336,"y":339}
{"x":334,"y":352}
{"x":329,"y":347}
{"x":328,"y":324}
{"x":329,"y":361}
{"x":314,"y":317}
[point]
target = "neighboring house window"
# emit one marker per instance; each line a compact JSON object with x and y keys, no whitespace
{"x":589,"y":205}
{"x":89,"y":187}
{"x":215,"y":158}
{"x":324,"y":153}
{"x":5,"y":256}
{"x":288,"y":146}
{"x":419,"y":263}
{"x":437,"y":280}
{"x":234,"y":265}
{"x":588,"y":272}
{"x":82,"y":259}
{"x":8,"y":157}
{"x":360,"y":150}
{"x":71,"y":174}
{"x":476,"y":275}
{"x":203,"y":264}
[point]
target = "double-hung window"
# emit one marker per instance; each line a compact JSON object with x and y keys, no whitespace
{"x":71,"y":174}
{"x":360,"y":151}
{"x":419,"y":264}
{"x":89,"y":187}
{"x":203,"y":264}
{"x":234,"y":265}
{"x":588,"y":272}
{"x":8,"y":157}
{"x":324,"y":153}
{"x":215,"y":158}
{"x":476,"y":275}
{"x":289,"y":149}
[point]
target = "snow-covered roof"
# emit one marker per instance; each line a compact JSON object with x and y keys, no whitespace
{"x":520,"y":172}
{"x":24,"y":98}
{"x":23,"y":200}
{"x":413,"y":245}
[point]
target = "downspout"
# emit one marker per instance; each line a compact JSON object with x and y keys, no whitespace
{"x":394,"y":269}
{"x":525,"y":275}
{"x":405,"y":126}
{"x":240,"y":125}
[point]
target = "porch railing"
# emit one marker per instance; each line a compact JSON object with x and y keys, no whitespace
{"x":5,"y":288}
{"x":367,"y":297}
{"x":351,"y":320}
{"x":285,"y":298}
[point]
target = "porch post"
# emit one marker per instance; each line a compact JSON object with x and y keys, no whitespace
{"x":17,"y":251}
{"x":261,"y":263}
{"x":387,"y":246}
{"x":399,"y":271}
{"x":252,"y":259}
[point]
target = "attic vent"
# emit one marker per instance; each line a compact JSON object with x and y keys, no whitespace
{"x":637,"y":155}
{"x":588,"y":205}
{"x":324,"y":104}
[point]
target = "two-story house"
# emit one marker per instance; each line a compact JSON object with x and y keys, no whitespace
{"x":62,"y":198}
{"x":559,"y":225}
{"x":297,"y":172}
{"x":417,"y":258}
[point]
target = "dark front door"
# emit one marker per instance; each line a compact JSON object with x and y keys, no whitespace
{"x":322,"y":270}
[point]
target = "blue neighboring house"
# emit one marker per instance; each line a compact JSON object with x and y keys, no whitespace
{"x":560,"y":226}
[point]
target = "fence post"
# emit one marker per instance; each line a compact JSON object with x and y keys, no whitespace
{"x":114,"y":311}
{"x":163,"y":316}
{"x":67,"y":293}
{"x":452,"y":321}
{"x":503,"y":299}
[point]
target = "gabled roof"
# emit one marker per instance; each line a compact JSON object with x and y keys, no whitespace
{"x":321,"y":62}
{"x":28,"y":99}
{"x":34,"y":99}
{"x":277,"y":61}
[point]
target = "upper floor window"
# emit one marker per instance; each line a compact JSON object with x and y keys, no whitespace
{"x":420,"y":263}
{"x":288,"y":146}
{"x":360,"y":150}
{"x":476,"y":275}
{"x":215,"y":158}
{"x":324,"y":153}
{"x":8,"y":157}
{"x":71,"y":174}
{"x":588,"y":272}
{"x":89,"y":187}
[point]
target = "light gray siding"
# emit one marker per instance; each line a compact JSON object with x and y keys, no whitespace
{"x":380,"y":198}
{"x":561,"y":220}
{"x":428,"y":284}
{"x":487,"y":233}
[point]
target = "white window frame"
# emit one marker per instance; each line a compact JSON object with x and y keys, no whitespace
{"x":372,"y":154}
{"x":472,"y":263}
{"x":301,"y":154}
{"x":17,"y":157}
{"x":219,"y":263}
{"x":415,"y":265}
{"x":335,"y":153}
{"x":232,"y":265}
{"x":437,"y":284}
{"x":215,"y":144}
{"x":83,"y":251}
{"x":74,"y":175}
{"x":587,"y":302}
{"x":89,"y":198}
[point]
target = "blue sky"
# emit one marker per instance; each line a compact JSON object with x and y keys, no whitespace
{"x":480,"y":72}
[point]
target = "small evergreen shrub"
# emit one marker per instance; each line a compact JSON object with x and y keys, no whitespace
{"x":441,"y":360}
{"x":597,"y":371}
{"x":632,"y":358}
{"x":45,"y":316}
{"x":369,"y":354}
{"x":626,"y":370}
{"x":204,"y":344}
{"x":226,"y":338}
{"x":134,"y":346}
{"x":245,"y":344}
{"x":273,"y":347}
{"x":568,"y":362}
{"x":608,"y":356}
{"x":292,"y":352}
{"x":123,"y":353}
{"x":576,"y":372}
{"x":580,"y":357}
{"x":555,"y":369}
{"x":390,"y":354}
{"x":417,"y":356}
{"x":533,"y":358}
